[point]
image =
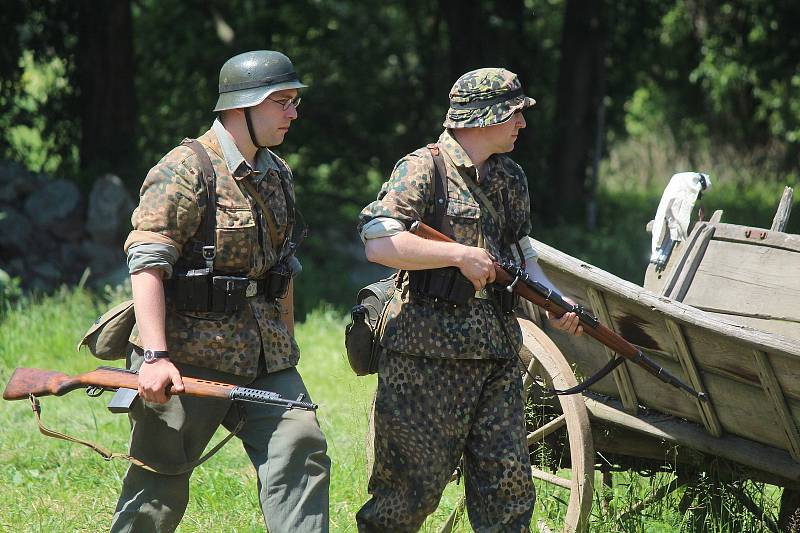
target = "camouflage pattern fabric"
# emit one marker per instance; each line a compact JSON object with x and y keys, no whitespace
{"x":473,"y":331}
{"x":172,"y":204}
{"x":485,"y":97}
{"x":428,"y":411}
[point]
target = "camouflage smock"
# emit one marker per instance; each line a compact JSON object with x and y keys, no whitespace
{"x":172,"y":204}
{"x":473,"y":331}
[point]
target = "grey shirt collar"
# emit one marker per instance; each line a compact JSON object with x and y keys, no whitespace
{"x":237,"y":164}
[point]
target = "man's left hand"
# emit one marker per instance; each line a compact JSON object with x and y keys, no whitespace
{"x":568,"y":322}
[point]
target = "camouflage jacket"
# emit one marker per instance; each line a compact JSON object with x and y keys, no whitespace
{"x":473,"y":331}
{"x":172,"y":203}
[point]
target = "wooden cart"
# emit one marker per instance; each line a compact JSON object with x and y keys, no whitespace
{"x":724,"y":316}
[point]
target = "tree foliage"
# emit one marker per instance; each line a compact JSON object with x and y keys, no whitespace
{"x":714,"y":77}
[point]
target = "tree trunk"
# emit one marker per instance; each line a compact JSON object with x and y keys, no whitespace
{"x":580,"y":89}
{"x":105,"y":68}
{"x":466,"y":32}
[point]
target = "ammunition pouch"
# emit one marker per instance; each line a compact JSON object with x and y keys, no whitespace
{"x":190,"y":290}
{"x":447,"y":285}
{"x":276,"y":282}
{"x":506,"y":301}
{"x":199,"y":290}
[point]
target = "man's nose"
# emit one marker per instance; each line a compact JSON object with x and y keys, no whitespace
{"x":291,"y":112}
{"x":521,"y":121}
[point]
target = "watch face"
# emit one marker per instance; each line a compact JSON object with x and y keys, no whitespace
{"x":150,"y":356}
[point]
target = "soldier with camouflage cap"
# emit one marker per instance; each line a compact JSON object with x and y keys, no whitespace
{"x":449,"y":380}
{"x":251,"y":216}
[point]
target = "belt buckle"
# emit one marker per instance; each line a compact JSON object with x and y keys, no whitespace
{"x":252,"y":289}
{"x":483,"y":294}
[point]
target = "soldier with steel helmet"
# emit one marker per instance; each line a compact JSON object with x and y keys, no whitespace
{"x":449,"y":379}
{"x":211,"y":258}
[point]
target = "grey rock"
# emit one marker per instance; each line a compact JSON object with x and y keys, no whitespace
{"x":56,"y":207}
{"x":109,"y":212}
{"x":102,"y":259}
{"x":16,"y":181}
{"x":16,"y":231}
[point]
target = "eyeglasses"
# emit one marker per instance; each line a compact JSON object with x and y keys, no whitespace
{"x":286,"y":104}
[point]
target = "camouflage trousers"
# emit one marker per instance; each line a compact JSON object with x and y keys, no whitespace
{"x":429,"y":412}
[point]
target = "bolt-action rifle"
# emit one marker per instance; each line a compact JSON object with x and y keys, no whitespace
{"x":31,"y":383}
{"x":26,"y":382}
{"x":516,"y":280}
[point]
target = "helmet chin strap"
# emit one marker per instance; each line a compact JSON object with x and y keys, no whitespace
{"x":250,"y":128}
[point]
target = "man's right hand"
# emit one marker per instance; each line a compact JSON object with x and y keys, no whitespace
{"x":154,"y":379}
{"x":477,"y":265}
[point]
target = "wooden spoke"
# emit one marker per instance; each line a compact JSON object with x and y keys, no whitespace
{"x":547,"y":429}
{"x":551,"y":478}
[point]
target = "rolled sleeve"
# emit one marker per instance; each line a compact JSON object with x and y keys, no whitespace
{"x":152,"y":255}
{"x":381,"y":227}
{"x":170,"y":203}
{"x":404,"y":197}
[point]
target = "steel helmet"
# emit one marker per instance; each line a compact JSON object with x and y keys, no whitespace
{"x":247,"y":79}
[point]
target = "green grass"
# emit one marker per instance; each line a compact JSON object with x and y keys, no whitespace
{"x":53,"y":486}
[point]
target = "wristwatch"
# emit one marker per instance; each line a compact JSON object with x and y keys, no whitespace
{"x":151,"y":356}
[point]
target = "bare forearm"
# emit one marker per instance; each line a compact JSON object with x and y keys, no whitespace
{"x":408,"y":252}
{"x":148,"y":299}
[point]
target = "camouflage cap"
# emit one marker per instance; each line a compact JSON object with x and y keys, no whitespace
{"x":485,"y":97}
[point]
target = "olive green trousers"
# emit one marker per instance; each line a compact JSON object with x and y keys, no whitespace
{"x":286,"y":447}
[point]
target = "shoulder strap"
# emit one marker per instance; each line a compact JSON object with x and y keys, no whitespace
{"x":439,"y":188}
{"x":271,"y":225}
{"x":484,"y":200}
{"x":209,"y":178}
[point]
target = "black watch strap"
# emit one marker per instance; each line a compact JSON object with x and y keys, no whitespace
{"x":151,"y":356}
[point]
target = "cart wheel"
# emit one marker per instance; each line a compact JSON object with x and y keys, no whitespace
{"x":559,"y":433}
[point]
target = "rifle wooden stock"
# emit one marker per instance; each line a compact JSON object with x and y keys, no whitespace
{"x":554,"y":303}
{"x":31,"y":381}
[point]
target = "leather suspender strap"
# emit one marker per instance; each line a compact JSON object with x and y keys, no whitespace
{"x":439,"y":188}
{"x":108,"y":455}
{"x":273,"y":229}
{"x":210,"y":180}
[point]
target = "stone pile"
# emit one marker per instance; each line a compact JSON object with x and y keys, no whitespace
{"x":50,"y":233}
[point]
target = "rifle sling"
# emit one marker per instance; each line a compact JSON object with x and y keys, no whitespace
{"x":108,"y":455}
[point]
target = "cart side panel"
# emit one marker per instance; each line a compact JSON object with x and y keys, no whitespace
{"x":727,"y":366}
{"x":755,"y":284}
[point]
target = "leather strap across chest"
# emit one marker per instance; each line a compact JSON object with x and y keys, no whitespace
{"x":272,"y":225}
{"x":440,"y":196}
{"x":209,"y":177}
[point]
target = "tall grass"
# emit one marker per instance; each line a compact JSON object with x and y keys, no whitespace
{"x":53,"y":486}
